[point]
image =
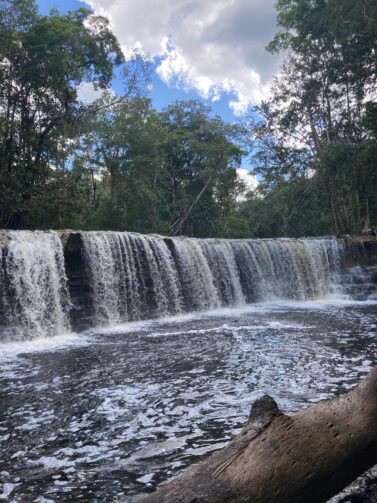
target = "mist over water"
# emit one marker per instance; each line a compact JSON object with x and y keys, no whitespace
{"x":186,"y":334}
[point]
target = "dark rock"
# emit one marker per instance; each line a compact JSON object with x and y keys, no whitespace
{"x":78,"y":280}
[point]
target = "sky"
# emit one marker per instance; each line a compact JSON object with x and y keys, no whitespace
{"x":208,"y":49}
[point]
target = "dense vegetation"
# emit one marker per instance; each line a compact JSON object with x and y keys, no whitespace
{"x":117,"y":163}
{"x":316,"y":137}
{"x":112,"y":164}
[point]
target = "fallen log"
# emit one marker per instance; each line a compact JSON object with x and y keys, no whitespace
{"x":305,"y":458}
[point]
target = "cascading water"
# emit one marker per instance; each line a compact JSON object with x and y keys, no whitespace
{"x":221,"y":260}
{"x":111,"y":413}
{"x":134,"y":276}
{"x":195,"y":275}
{"x":131,"y":276}
{"x":33,"y":286}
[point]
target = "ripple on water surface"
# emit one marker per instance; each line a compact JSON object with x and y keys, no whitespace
{"x":105,"y":416}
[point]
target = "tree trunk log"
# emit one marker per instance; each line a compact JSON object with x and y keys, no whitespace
{"x":305,"y":458}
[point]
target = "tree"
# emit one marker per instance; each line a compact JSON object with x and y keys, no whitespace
{"x":122,"y":154}
{"x":320,"y":121}
{"x":115,"y":163}
{"x":44,"y":59}
{"x":200,"y":159}
{"x":171,"y":172}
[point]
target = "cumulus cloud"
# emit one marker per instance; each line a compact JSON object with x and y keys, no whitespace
{"x":214,"y":47}
{"x":249,"y":178}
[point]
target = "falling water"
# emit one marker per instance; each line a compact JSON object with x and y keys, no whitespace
{"x":134,"y":276}
{"x":221,"y":260}
{"x":34,"y":294}
{"x":131,"y":276}
{"x":195,"y":275}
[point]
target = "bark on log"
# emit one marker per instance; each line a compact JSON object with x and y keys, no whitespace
{"x":305,"y":458}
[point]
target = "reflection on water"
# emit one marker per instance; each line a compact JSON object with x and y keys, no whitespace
{"x":107,"y":416}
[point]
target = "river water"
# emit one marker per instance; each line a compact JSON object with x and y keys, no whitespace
{"x":106,"y":415}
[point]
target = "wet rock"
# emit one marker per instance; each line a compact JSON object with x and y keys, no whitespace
{"x":361,"y":250}
{"x":78,"y":279}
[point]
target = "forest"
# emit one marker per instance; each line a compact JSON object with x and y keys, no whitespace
{"x":131,"y":347}
{"x":119,"y":164}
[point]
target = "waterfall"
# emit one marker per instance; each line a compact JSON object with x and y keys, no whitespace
{"x":134,"y":276}
{"x":34,"y":294}
{"x":127,"y":276}
{"x":221,"y":261}
{"x":131,"y":276}
{"x":195,"y":275}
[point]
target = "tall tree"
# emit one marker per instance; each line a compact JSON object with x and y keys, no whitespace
{"x":44,"y":60}
{"x":320,"y":121}
{"x":201,"y":158}
{"x":171,"y":172}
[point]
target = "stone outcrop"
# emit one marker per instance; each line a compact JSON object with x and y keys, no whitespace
{"x":360,"y":263}
{"x":361,"y":250}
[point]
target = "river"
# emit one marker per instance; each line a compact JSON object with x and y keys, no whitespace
{"x":107,"y":414}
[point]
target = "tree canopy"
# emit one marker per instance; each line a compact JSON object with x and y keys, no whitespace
{"x":316,"y":136}
{"x":117,"y":163}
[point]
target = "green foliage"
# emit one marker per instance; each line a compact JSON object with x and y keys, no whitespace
{"x":316,"y":138}
{"x":119,"y":164}
{"x":44,"y":59}
{"x":112,"y":164}
{"x":171,"y":172}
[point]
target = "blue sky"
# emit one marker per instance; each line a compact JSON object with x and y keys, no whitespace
{"x":213,"y":50}
{"x":161,"y":94}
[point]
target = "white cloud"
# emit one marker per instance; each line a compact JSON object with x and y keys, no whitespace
{"x":250,"y":181}
{"x":87,"y":93}
{"x":213,"y":46}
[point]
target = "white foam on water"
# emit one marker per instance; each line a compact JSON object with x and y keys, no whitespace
{"x":276,"y":325}
{"x":68,"y":458}
{"x":146,"y":406}
{"x":8,"y":488}
{"x":324,"y":303}
{"x":34,"y":422}
{"x":145,"y":479}
{"x":11,"y":350}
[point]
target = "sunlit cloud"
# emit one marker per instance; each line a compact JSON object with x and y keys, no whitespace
{"x":214,"y":48}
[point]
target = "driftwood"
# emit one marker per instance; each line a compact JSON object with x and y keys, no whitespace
{"x":305,"y":458}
